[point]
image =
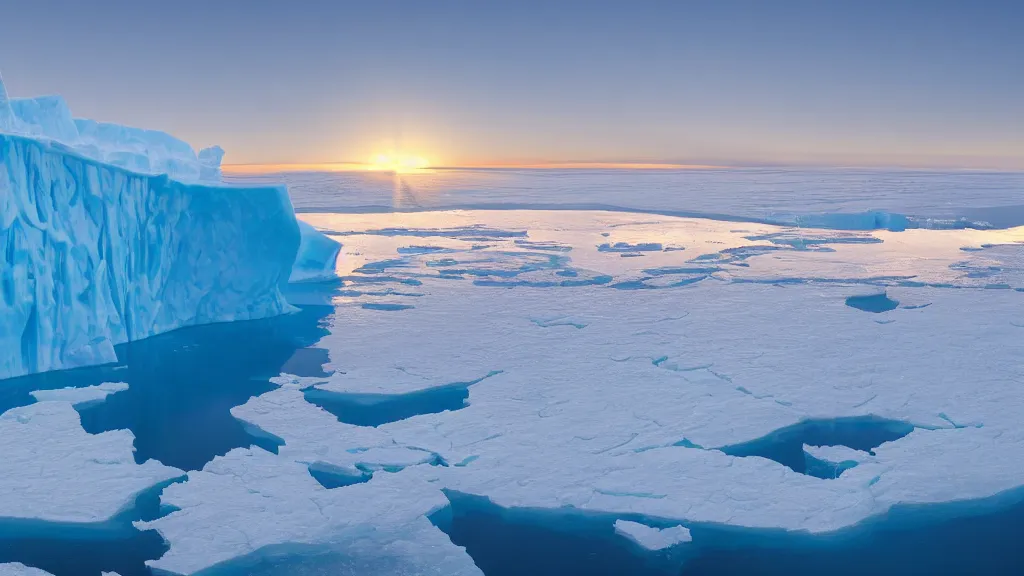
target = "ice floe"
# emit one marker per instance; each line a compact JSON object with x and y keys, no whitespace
{"x":252,"y":502}
{"x":54,"y":471}
{"x":652,"y":538}
{"x":80,"y":396}
{"x":16,"y":569}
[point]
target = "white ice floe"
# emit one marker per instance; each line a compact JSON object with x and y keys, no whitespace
{"x":837,"y":454}
{"x":18,"y":569}
{"x":80,"y":396}
{"x":652,"y":538}
{"x":54,"y":471}
{"x":250,"y":501}
{"x":651,"y":381}
{"x":629,"y":405}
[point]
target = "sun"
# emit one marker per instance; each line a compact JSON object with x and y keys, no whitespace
{"x":398,"y":163}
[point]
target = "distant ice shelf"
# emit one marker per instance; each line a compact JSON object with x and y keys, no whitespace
{"x":110,"y":234}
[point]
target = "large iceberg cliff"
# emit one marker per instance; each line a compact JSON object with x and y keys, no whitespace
{"x":98,"y":250}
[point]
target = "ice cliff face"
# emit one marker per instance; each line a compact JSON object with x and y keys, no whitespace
{"x":109,"y":234}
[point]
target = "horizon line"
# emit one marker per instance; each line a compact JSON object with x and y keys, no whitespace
{"x":279,"y":167}
{"x":368,"y":167}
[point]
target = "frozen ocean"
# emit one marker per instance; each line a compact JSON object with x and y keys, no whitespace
{"x":501,"y":372}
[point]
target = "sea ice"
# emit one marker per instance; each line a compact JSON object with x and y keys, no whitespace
{"x":80,"y":396}
{"x":54,"y":471}
{"x":650,"y":385}
{"x":314,"y":437}
{"x":837,"y":454}
{"x":316,"y":258}
{"x":652,"y":538}
{"x":251,"y":502}
{"x":16,"y":569}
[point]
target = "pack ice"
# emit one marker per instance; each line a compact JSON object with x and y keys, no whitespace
{"x":111,"y":234}
{"x":622,"y":388}
{"x":18,"y":569}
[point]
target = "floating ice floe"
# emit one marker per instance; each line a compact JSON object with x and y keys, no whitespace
{"x":652,"y":538}
{"x":250,"y":503}
{"x":314,"y":437}
{"x":654,"y":384}
{"x":16,"y":569}
{"x":80,"y":396}
{"x":837,"y":454}
{"x":54,"y":471}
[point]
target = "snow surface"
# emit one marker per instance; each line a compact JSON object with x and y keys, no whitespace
{"x":135,"y":149}
{"x":610,"y":396}
{"x":841,"y":198}
{"x":652,"y":538}
{"x":80,"y":396}
{"x":250,"y":501}
{"x":611,"y":383}
{"x":17,"y":569}
{"x":837,"y":454}
{"x":108,"y":238}
{"x":54,"y":471}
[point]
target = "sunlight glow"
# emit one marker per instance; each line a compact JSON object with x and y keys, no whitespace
{"x":399,"y":164}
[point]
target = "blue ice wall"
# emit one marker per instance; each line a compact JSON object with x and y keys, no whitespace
{"x":92,"y":255}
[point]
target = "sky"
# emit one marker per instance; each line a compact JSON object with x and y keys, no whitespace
{"x":726,"y":82}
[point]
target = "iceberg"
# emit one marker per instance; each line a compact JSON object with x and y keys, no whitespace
{"x":250,"y":504}
{"x":111,"y":234}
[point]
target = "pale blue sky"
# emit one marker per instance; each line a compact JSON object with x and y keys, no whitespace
{"x":716,"y":81}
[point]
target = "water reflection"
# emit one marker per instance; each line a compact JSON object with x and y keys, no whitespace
{"x":645,"y":252}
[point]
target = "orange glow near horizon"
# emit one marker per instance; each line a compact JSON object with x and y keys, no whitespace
{"x":398,"y":163}
{"x":411,"y":164}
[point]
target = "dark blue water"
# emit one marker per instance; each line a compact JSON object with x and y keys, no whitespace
{"x":182,"y":386}
{"x":786,"y":445}
{"x":876,"y":303}
{"x":906,"y":542}
{"x":88,"y":550}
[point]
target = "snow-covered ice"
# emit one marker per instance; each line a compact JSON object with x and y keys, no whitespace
{"x":839,"y":198}
{"x":80,"y":396}
{"x":652,"y":538}
{"x":17,"y":569}
{"x":837,"y":454}
{"x":250,"y":502}
{"x":671,"y":370}
{"x":54,"y":471}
